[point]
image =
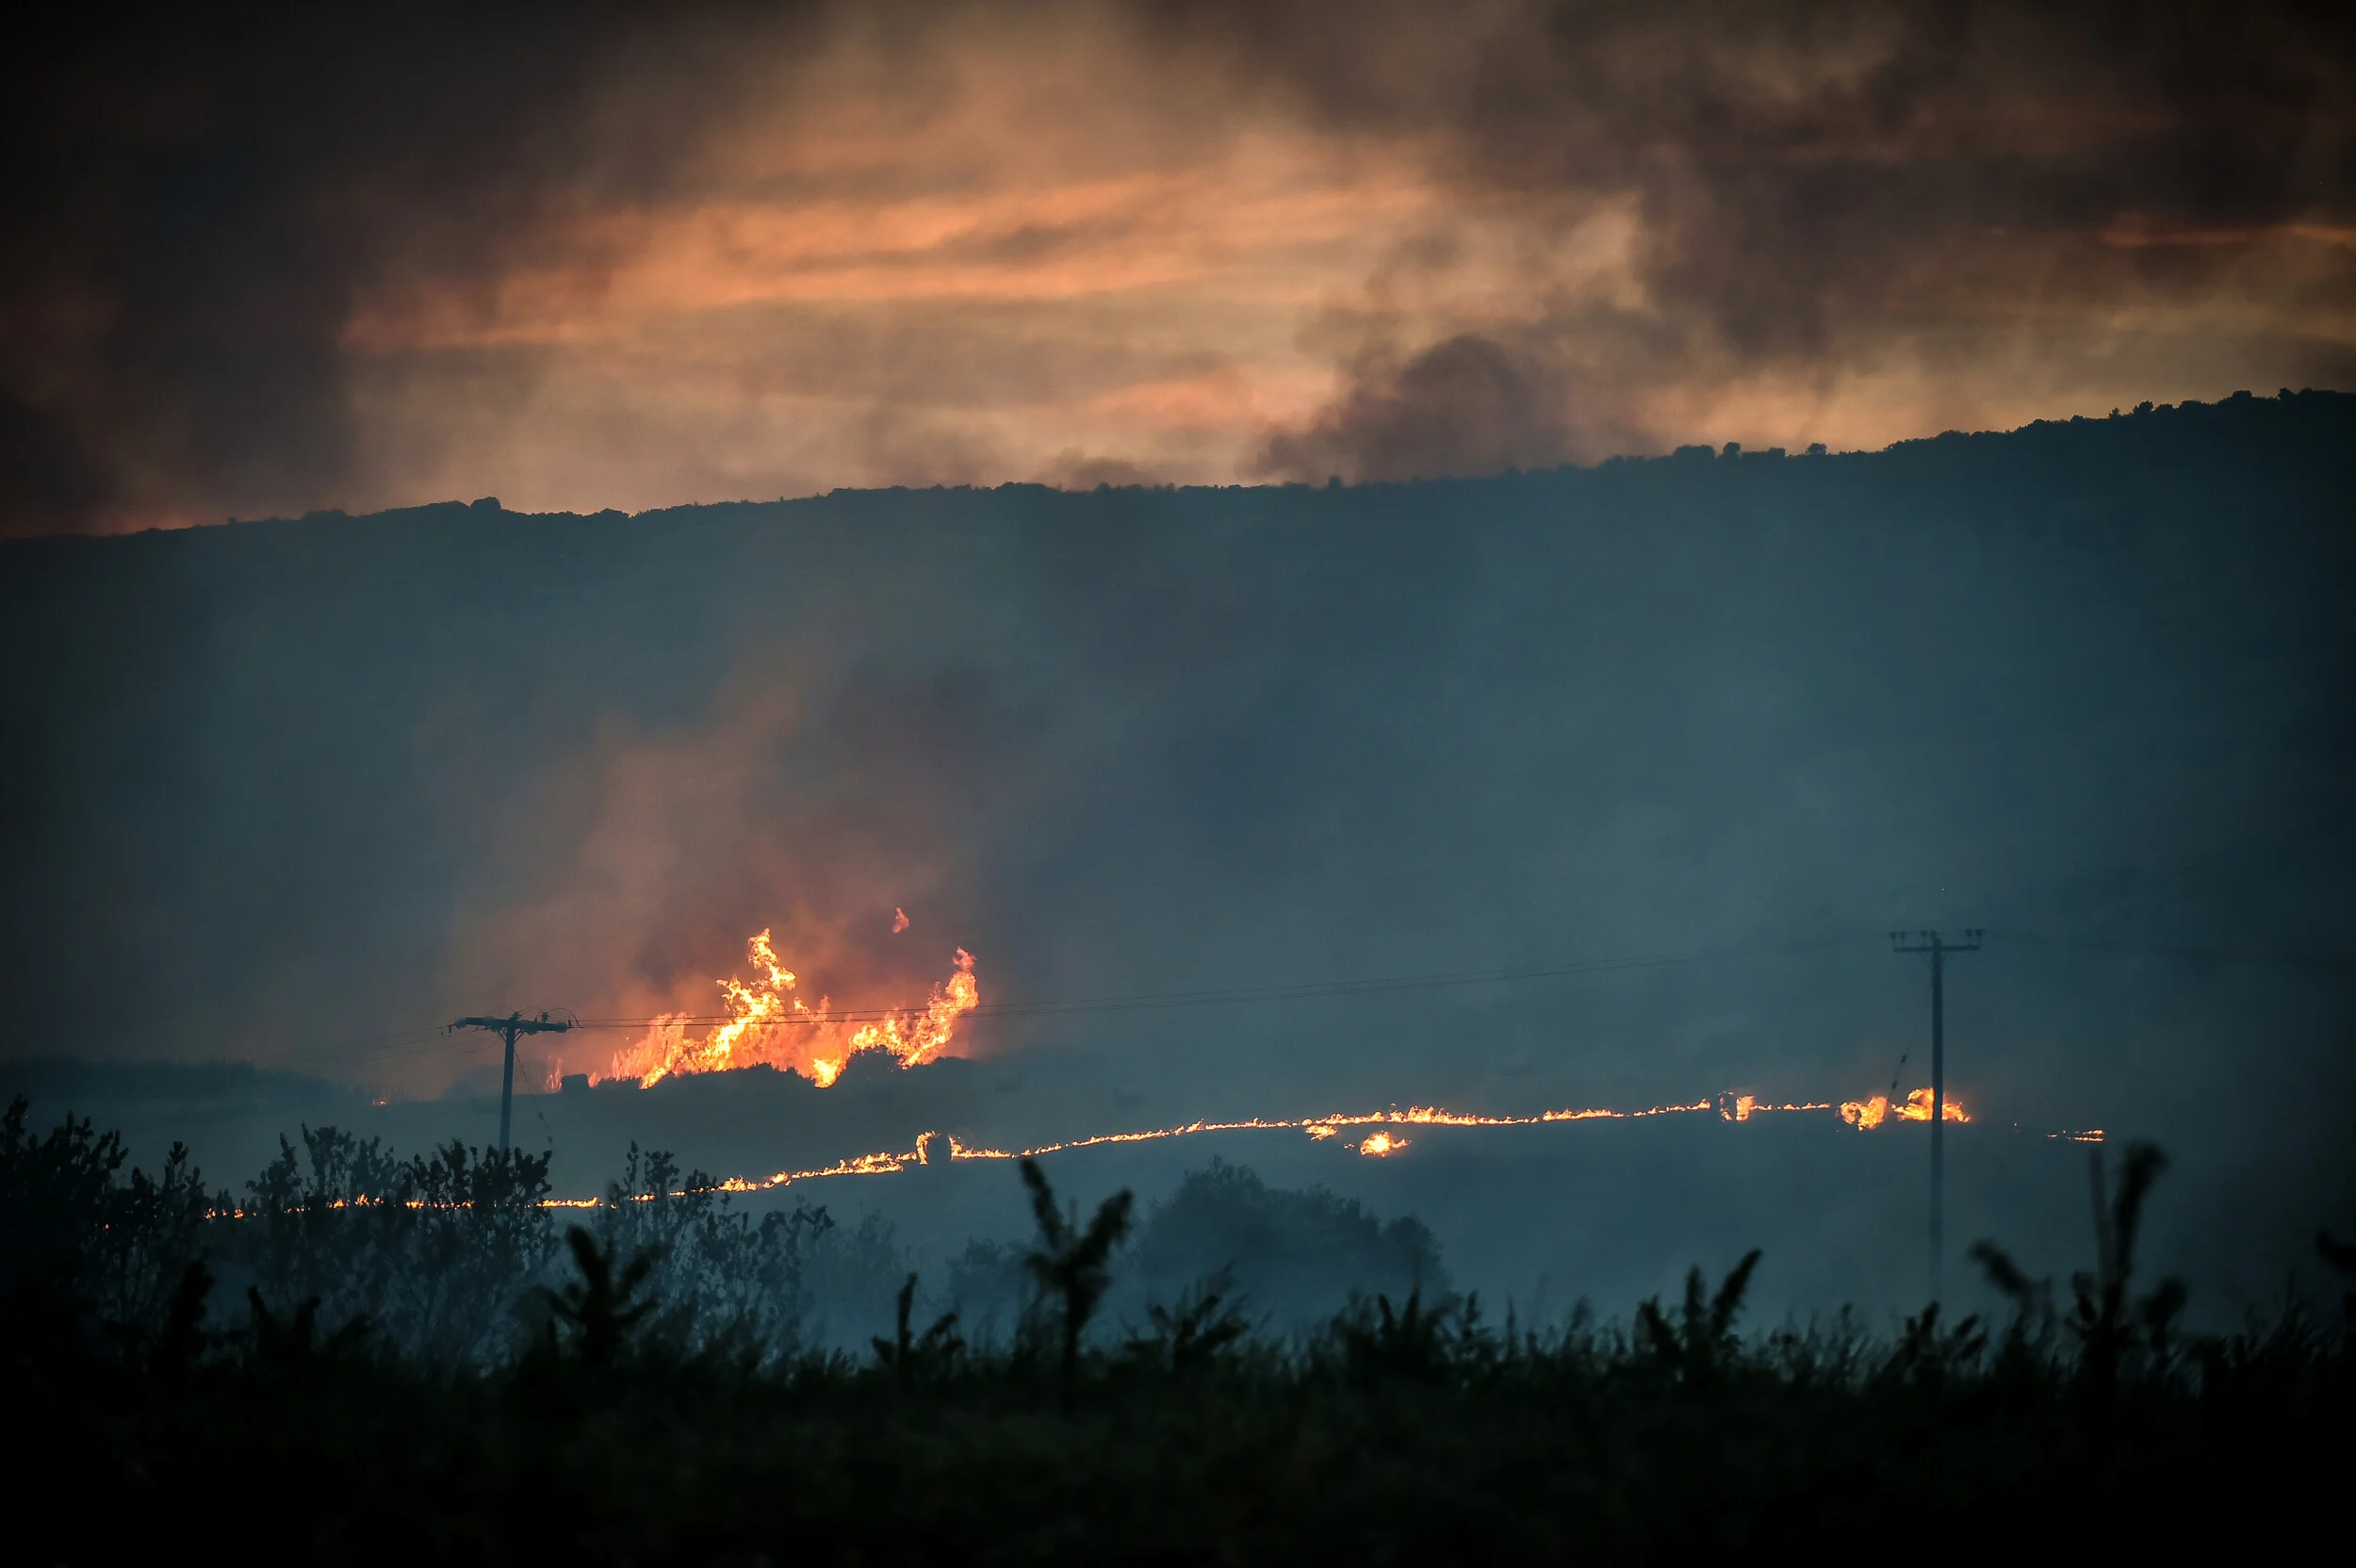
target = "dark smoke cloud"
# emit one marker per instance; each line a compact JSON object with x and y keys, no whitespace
{"x":2007,"y":203}
{"x":1828,"y":186}
{"x":1464,"y":405}
{"x":200,"y":195}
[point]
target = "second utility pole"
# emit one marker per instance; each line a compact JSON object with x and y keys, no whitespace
{"x":1938,"y":947}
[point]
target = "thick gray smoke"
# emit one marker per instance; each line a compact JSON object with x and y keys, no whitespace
{"x":297,"y":792}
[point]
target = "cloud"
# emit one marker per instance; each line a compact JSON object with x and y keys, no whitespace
{"x":1823,"y":195}
{"x":207,"y":201}
{"x":297,"y":258}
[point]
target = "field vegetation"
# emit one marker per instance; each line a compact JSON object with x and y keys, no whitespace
{"x":370,"y":1357}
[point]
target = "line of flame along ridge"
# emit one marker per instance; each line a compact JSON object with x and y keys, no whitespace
{"x":935,"y":1149}
{"x":938,"y":1149}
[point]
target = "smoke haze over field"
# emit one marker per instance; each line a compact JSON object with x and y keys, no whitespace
{"x":1268,"y":498}
{"x":599,"y":257}
{"x":297,"y":792}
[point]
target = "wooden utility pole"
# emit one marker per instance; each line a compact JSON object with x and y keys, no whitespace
{"x":1938,"y":947}
{"x":510,"y":1027}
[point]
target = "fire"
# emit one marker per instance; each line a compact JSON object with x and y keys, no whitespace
{"x":770,"y":1023}
{"x":1375,"y":1145}
{"x":1379,"y":1143}
{"x":941,"y":1148}
{"x":1866,"y":1115}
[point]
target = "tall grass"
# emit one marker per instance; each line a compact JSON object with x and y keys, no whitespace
{"x":636,"y":1390}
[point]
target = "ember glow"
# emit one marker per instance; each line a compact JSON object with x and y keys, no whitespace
{"x":769,"y":1024}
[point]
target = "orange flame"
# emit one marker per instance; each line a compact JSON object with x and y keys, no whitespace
{"x":936,"y":1148}
{"x":768,"y":1023}
{"x":1376,"y":1144}
{"x":1866,"y":1115}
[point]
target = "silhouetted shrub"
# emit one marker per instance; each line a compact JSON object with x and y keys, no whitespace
{"x":628,"y":1427}
{"x":436,"y":1251}
{"x":1073,"y":1264}
{"x":1295,"y":1254}
{"x":77,"y":1240}
{"x":912,"y":1357}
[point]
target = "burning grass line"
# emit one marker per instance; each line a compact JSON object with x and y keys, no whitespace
{"x":1386,"y":1135}
{"x":1380,"y":1142}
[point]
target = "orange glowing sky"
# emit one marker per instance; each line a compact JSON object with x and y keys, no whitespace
{"x":705,"y":258}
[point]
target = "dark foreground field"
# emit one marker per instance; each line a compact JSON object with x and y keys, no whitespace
{"x":633,"y":1389}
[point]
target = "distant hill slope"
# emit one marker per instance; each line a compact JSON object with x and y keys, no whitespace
{"x":299,"y":792}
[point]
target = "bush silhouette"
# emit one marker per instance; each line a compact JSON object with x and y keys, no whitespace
{"x":1404,"y":1429}
{"x":77,"y":1241}
{"x":1411,"y":1343}
{"x":1072,"y":1265}
{"x":1295,"y":1253}
{"x":1194,"y":1333}
{"x":1701,"y":1347}
{"x":435,"y":1249}
{"x":2118,"y":1334}
{"x":598,"y":1310}
{"x":911,"y":1358}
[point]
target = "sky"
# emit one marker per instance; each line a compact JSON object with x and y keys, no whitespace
{"x":265,"y":260}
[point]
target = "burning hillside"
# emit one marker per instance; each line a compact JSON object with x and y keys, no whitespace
{"x":769,"y":1024}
